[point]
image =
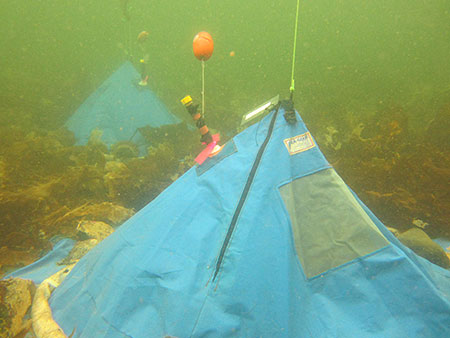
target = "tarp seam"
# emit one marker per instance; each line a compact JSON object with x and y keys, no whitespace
{"x":245,"y":193}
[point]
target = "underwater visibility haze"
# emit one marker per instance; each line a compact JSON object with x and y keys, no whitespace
{"x":372,"y":83}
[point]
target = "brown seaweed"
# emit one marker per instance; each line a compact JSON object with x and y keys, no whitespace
{"x":48,"y":185}
{"x":399,"y":172}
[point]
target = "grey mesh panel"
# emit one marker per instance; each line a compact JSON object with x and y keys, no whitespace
{"x":330,"y":227}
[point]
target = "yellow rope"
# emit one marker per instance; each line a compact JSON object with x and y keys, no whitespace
{"x":292,"y":88}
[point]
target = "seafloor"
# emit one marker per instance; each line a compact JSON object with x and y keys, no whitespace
{"x":48,"y":184}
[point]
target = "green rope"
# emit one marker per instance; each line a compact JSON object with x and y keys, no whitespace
{"x":292,"y":88}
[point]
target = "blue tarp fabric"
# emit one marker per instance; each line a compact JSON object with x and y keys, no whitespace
{"x":118,"y":108}
{"x":266,"y":242}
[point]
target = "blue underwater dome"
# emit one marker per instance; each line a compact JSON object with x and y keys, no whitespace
{"x":118,"y":108}
{"x":262,"y":240}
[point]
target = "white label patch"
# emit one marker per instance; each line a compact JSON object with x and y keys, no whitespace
{"x":299,"y":143}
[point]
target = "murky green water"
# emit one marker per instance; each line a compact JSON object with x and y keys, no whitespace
{"x":372,"y":84}
{"x":351,"y":55}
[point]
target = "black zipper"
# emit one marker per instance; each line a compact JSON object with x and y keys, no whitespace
{"x":245,"y":192}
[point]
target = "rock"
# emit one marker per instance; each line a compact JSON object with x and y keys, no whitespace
{"x":15,"y":300}
{"x":78,"y":251}
{"x":90,"y":233}
{"x":94,"y":229}
{"x":394,"y":231}
{"x":419,"y":242}
{"x":124,"y":150}
{"x":106,"y":212}
{"x":420,"y":224}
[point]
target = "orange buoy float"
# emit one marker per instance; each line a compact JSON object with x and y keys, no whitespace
{"x":203,"y":46}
